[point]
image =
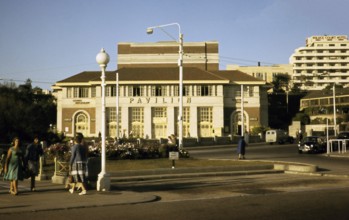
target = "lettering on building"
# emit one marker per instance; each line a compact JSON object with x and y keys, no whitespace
{"x":160,"y":100}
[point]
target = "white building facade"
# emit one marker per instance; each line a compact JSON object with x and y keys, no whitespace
{"x":149,"y":98}
{"x":323,"y":61}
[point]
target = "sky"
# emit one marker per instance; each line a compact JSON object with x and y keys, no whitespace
{"x":50,"y":40}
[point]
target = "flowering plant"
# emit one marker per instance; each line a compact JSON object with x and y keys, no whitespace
{"x":60,"y":151}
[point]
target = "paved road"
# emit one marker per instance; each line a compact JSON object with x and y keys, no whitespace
{"x":276,"y":196}
{"x":272,"y":196}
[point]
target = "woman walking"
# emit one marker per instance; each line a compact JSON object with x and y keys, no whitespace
{"x":14,"y":166}
{"x":241,"y":148}
{"x":78,"y":164}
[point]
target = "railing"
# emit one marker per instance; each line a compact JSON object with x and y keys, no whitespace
{"x":340,"y":143}
{"x":61,"y":168}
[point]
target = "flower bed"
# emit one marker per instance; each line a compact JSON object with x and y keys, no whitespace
{"x":116,"y":151}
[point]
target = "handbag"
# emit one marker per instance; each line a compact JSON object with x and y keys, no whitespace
{"x":26,"y":173}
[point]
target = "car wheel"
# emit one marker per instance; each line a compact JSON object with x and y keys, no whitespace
{"x":300,"y":152}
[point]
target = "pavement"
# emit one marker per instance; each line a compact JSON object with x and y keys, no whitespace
{"x":50,"y":196}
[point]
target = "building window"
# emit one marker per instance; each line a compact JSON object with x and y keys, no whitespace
{"x":107,"y":91}
{"x":205,"y":121}
{"x":69,"y":92}
{"x":137,"y":122}
{"x":81,"y":124}
{"x":135,"y":91}
{"x":160,"y":112}
{"x":158,"y":90}
{"x":204,"y":90}
{"x":93,"y":91}
{"x":112,"y":123}
{"x":186,"y":90}
{"x":186,"y":121}
{"x":159,"y":122}
{"x":176,"y":90}
{"x":80,"y":92}
{"x":113,"y":91}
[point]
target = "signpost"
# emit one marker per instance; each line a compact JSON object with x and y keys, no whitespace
{"x":173,"y":155}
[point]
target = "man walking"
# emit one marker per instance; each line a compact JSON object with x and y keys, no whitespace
{"x":32,"y":156}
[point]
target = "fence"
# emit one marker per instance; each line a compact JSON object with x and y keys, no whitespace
{"x":337,"y":144}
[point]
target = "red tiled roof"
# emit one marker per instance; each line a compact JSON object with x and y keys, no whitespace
{"x":162,"y":74}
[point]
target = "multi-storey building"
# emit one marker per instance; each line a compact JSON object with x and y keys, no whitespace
{"x":266,"y":73}
{"x":323,"y":61}
{"x":203,"y":55}
{"x":320,"y":107}
{"x":149,"y":95}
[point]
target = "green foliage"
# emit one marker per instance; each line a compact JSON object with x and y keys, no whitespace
{"x":257,"y":130}
{"x":303,"y":118}
{"x":280,"y":80}
{"x":24,"y":113}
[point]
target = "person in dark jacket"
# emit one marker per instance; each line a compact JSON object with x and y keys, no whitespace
{"x":32,"y":160}
{"x":241,"y":148}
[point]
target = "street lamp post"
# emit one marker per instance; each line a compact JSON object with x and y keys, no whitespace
{"x":334,"y":110}
{"x":117,"y":106}
{"x":103,"y":182}
{"x":180,"y":64}
{"x":242,"y":111}
{"x":334,"y":104}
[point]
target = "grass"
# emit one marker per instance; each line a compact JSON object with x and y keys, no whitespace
{"x":115,"y":165}
{"x":146,"y":164}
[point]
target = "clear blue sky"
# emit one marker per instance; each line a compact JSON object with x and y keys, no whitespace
{"x":50,"y":40}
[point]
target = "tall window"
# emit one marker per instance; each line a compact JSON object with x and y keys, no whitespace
{"x":186,"y":121}
{"x":137,"y":122}
{"x":205,"y":121}
{"x":93,"y":91}
{"x":159,"y":122}
{"x":112,"y":123}
{"x":69,"y":92}
{"x":81,"y":124}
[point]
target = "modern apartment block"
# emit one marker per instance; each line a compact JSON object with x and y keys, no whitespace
{"x":323,"y":61}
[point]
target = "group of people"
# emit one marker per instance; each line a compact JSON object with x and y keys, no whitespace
{"x":19,"y":165}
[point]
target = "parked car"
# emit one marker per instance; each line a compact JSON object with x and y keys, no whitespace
{"x":312,"y":144}
{"x":343,"y":135}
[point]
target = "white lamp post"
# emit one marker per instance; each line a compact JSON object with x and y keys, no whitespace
{"x":103,"y":182}
{"x":242,"y":111}
{"x":180,"y":64}
{"x":334,"y":110}
{"x":117,"y":106}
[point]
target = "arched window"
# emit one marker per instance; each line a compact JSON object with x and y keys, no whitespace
{"x":81,"y":124}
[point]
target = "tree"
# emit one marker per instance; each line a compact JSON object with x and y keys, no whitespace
{"x":283,"y":102}
{"x":281,"y":82}
{"x":24,"y":113}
